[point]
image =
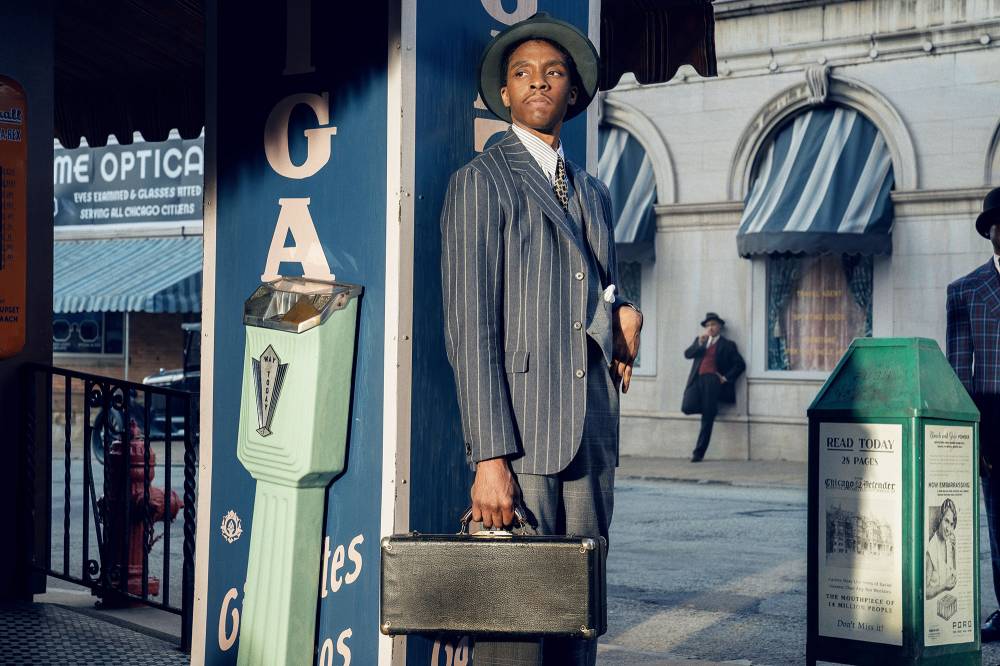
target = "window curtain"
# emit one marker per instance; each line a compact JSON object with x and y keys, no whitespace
{"x":859,"y":272}
{"x":782,"y":276}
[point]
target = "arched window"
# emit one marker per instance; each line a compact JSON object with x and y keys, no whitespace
{"x":992,"y":178}
{"x":627,"y":170}
{"x":817,"y":211}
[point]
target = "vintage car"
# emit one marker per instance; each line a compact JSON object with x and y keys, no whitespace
{"x":186,"y":378}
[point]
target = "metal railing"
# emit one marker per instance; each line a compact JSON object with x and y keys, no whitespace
{"x":118,"y":441}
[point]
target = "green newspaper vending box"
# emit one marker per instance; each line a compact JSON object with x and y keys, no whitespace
{"x":893,"y":510}
{"x":298,"y":364}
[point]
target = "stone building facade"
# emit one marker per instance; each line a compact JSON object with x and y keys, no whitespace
{"x":925,"y":73}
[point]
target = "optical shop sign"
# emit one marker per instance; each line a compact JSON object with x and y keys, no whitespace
{"x":141,"y":182}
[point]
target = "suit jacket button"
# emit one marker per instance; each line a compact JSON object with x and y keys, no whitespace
{"x":579,"y":275}
{"x":580,"y":374}
{"x":577,"y":326}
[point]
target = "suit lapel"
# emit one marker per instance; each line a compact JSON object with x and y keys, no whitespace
{"x":989,"y":286}
{"x":593,"y":220}
{"x":535,"y":185}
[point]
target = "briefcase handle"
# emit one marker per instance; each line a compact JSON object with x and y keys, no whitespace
{"x":519,"y":518}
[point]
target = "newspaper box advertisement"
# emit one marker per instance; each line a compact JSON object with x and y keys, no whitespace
{"x":860,"y":532}
{"x":949,"y":566}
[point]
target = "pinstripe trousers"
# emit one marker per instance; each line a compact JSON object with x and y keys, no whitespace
{"x":579,"y":500}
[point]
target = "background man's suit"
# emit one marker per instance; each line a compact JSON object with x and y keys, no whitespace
{"x":529,"y":337}
{"x":974,"y":352}
{"x":703,"y":393}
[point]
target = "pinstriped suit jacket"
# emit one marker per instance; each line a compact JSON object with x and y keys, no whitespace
{"x":974,"y":329}
{"x":519,"y":305}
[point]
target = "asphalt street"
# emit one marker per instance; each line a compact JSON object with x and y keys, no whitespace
{"x":716,"y":573}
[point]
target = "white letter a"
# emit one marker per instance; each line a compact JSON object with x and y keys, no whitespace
{"x":307,"y":250}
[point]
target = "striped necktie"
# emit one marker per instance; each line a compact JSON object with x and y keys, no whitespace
{"x":559,"y":187}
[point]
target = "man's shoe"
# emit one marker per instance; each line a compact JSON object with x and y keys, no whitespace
{"x":697,"y":458}
{"x":991,"y":628}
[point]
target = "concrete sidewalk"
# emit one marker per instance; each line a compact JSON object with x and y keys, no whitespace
{"x":751,"y":473}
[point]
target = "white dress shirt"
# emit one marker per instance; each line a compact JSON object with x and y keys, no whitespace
{"x":544,"y":155}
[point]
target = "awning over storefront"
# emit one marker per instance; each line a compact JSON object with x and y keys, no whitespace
{"x":128,"y":275}
{"x":628,"y":172}
{"x":822,"y":187}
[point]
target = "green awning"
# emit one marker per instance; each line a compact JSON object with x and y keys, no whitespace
{"x":128,"y":275}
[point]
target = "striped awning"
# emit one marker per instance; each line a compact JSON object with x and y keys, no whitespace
{"x":822,"y":187}
{"x":628,"y":172}
{"x":128,"y":275}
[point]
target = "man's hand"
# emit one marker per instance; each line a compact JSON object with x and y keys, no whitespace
{"x":722,"y":378}
{"x":627,"y":324}
{"x":493,"y":494}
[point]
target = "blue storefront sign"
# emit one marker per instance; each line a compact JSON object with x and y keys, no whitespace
{"x":301,"y":186}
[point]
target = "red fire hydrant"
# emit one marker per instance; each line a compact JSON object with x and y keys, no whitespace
{"x":139,"y":543}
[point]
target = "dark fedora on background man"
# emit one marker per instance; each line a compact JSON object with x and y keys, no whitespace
{"x":973,"y":307}
{"x":716,"y":366}
{"x":536,"y":336}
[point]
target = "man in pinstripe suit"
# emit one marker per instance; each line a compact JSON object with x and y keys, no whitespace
{"x":535,"y":334}
{"x":974,"y":352}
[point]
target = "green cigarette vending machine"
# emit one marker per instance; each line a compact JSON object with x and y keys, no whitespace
{"x":300,"y":340}
{"x":893,"y":510}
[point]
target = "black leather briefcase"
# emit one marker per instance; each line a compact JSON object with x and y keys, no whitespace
{"x":493,"y":584}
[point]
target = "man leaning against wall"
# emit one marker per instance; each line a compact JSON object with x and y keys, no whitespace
{"x":716,"y":366}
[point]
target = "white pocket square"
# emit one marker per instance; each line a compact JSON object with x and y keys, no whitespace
{"x":609,"y":294}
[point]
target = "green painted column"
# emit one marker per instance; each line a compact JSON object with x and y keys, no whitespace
{"x":893,"y":548}
{"x":300,"y":339}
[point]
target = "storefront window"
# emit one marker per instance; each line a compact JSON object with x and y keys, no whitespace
{"x":815,"y":307}
{"x":88,"y":333}
{"x":630,"y":276}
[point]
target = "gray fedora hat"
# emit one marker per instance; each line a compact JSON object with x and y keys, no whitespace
{"x":539,"y":26}
{"x":990,"y":214}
